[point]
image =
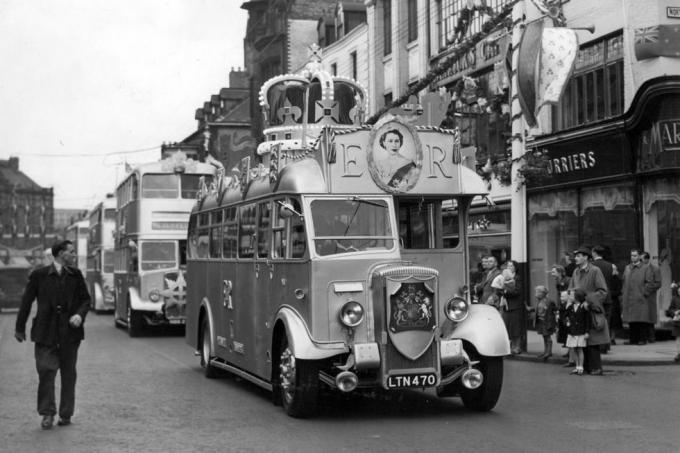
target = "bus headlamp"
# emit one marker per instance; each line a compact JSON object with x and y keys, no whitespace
{"x":352,"y":313}
{"x":457,"y":309}
{"x":154,"y":295}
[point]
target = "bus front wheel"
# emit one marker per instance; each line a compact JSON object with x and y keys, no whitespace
{"x":484,"y":398}
{"x":206,"y":351}
{"x":298,"y":383}
{"x":135,"y":322}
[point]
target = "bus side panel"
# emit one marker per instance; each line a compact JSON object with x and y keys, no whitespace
{"x":195,"y":277}
{"x":282,"y":279}
{"x":239,"y":320}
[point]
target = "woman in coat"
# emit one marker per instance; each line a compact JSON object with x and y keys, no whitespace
{"x":593,"y":360}
{"x":513,"y":308}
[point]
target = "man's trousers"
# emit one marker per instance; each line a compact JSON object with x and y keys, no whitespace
{"x":49,"y":360}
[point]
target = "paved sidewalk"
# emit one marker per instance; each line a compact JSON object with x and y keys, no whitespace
{"x":658,"y":353}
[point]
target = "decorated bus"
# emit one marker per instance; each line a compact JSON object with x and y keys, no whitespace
{"x":341,"y":260}
{"x":99,"y":274}
{"x":153,"y":205}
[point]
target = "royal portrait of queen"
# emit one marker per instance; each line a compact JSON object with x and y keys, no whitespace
{"x":394,"y":155}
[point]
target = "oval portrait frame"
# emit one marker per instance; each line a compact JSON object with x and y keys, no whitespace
{"x":405,"y":177}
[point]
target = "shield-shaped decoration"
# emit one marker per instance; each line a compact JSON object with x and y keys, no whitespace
{"x":411,"y":315}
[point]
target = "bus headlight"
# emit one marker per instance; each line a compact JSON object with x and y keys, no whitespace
{"x":456,"y":309}
{"x":154,"y":295}
{"x":352,"y":313}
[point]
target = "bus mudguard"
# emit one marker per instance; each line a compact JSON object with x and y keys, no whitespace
{"x":485,"y":329}
{"x":139,"y":304}
{"x":300,"y":340}
{"x":205,"y":306}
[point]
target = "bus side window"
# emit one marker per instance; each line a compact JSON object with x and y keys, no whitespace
{"x":216,"y":234}
{"x":298,"y":237}
{"x":229,"y":234}
{"x":192,"y":249}
{"x":279,"y":244}
{"x":263,"y":221}
{"x":246,"y":232}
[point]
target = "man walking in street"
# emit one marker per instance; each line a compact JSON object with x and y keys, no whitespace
{"x":639,"y":284}
{"x":63,"y":303}
{"x":651,"y":300}
{"x":607,"y":270}
{"x":589,"y":278}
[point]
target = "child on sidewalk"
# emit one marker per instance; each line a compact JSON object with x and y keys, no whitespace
{"x":577,"y":323}
{"x":673,"y":312}
{"x":545,"y":320}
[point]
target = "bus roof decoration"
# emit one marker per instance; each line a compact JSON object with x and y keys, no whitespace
{"x":179,"y":163}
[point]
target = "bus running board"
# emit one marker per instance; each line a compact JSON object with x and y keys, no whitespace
{"x":217,"y":363}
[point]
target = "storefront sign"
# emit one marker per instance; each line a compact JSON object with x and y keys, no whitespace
{"x":673,"y":12}
{"x":485,"y":54}
{"x":659,"y":145}
{"x":583,"y":159}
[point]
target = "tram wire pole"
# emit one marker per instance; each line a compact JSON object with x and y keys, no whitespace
{"x":463,"y":47}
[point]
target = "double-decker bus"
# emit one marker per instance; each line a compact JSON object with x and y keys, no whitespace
{"x":342,"y":260}
{"x":153,"y":206}
{"x":99,"y":274}
{"x":78,"y":233}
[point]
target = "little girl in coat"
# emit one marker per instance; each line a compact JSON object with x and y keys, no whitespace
{"x":577,"y":325}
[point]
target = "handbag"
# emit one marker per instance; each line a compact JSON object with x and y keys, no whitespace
{"x":597,"y":320}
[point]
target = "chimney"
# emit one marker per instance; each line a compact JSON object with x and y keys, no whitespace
{"x":14,"y":163}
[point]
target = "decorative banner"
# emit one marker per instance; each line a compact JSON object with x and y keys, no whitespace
{"x":274,"y":163}
{"x":527,"y":63}
{"x":559,"y":47}
{"x":657,"y":41}
{"x":244,"y":176}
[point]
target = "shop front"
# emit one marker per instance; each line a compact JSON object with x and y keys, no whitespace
{"x":589,"y":199}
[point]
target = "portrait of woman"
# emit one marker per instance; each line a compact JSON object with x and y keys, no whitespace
{"x":395,"y":156}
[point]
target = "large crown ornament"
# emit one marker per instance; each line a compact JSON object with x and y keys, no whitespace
{"x":296,"y":107}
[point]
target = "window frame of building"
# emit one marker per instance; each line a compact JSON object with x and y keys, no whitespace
{"x":412,"y":8}
{"x":353,"y":64}
{"x":449,"y":14}
{"x":387,"y":27}
{"x":595,"y":90}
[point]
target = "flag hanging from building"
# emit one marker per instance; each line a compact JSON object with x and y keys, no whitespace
{"x":657,"y":41}
{"x":558,"y":55}
{"x":546,"y":57}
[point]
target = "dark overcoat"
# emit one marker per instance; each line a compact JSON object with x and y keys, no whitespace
{"x":639,"y":289}
{"x":59,"y":298}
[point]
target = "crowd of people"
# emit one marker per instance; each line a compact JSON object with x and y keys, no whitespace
{"x":596,"y":301}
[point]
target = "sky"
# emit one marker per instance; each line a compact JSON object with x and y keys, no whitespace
{"x":87,"y":85}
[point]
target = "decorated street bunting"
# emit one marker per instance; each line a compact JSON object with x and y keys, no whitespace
{"x":527,"y":64}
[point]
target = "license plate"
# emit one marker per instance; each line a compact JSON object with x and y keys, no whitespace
{"x":411,"y":380}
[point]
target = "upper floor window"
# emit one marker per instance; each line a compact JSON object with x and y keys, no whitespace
{"x":387,"y":27}
{"x":353,"y":63}
{"x":458,"y":19}
{"x":595,"y":90}
{"x":412,"y":20}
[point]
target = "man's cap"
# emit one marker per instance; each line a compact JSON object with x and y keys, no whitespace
{"x":583,"y":251}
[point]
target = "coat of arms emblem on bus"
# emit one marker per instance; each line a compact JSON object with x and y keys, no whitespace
{"x":395,"y":155}
{"x":411,"y":317}
{"x":174,"y":292}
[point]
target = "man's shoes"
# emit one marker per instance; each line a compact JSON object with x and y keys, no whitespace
{"x":47,"y":422}
{"x":65,"y":421}
{"x":628,"y":343}
{"x":598,"y":372}
{"x":677,"y":359}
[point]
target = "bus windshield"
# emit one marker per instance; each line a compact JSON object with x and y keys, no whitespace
{"x":342,"y":225}
{"x":158,"y":255}
{"x":172,"y":185}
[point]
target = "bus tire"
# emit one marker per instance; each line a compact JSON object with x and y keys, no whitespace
{"x":298,"y":382}
{"x":206,"y":351}
{"x":135,"y":322}
{"x":484,"y":398}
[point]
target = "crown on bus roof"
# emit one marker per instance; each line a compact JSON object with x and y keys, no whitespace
{"x":297,"y":105}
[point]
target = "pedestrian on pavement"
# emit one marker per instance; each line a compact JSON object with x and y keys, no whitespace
{"x":57,"y":330}
{"x":615,"y":321}
{"x":589,"y":278}
{"x":545,"y":319}
{"x":486,"y":294}
{"x":651,"y":301}
{"x":562,"y":285}
{"x":569,"y":264}
{"x":673,"y":313}
{"x":639,"y":285}
{"x":577,"y":321}
{"x":563,"y":328}
{"x":597,"y":336}
{"x":607,"y":269}
{"x":513,"y":307}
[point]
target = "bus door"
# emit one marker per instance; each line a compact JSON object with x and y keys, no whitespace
{"x":227,"y":279}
